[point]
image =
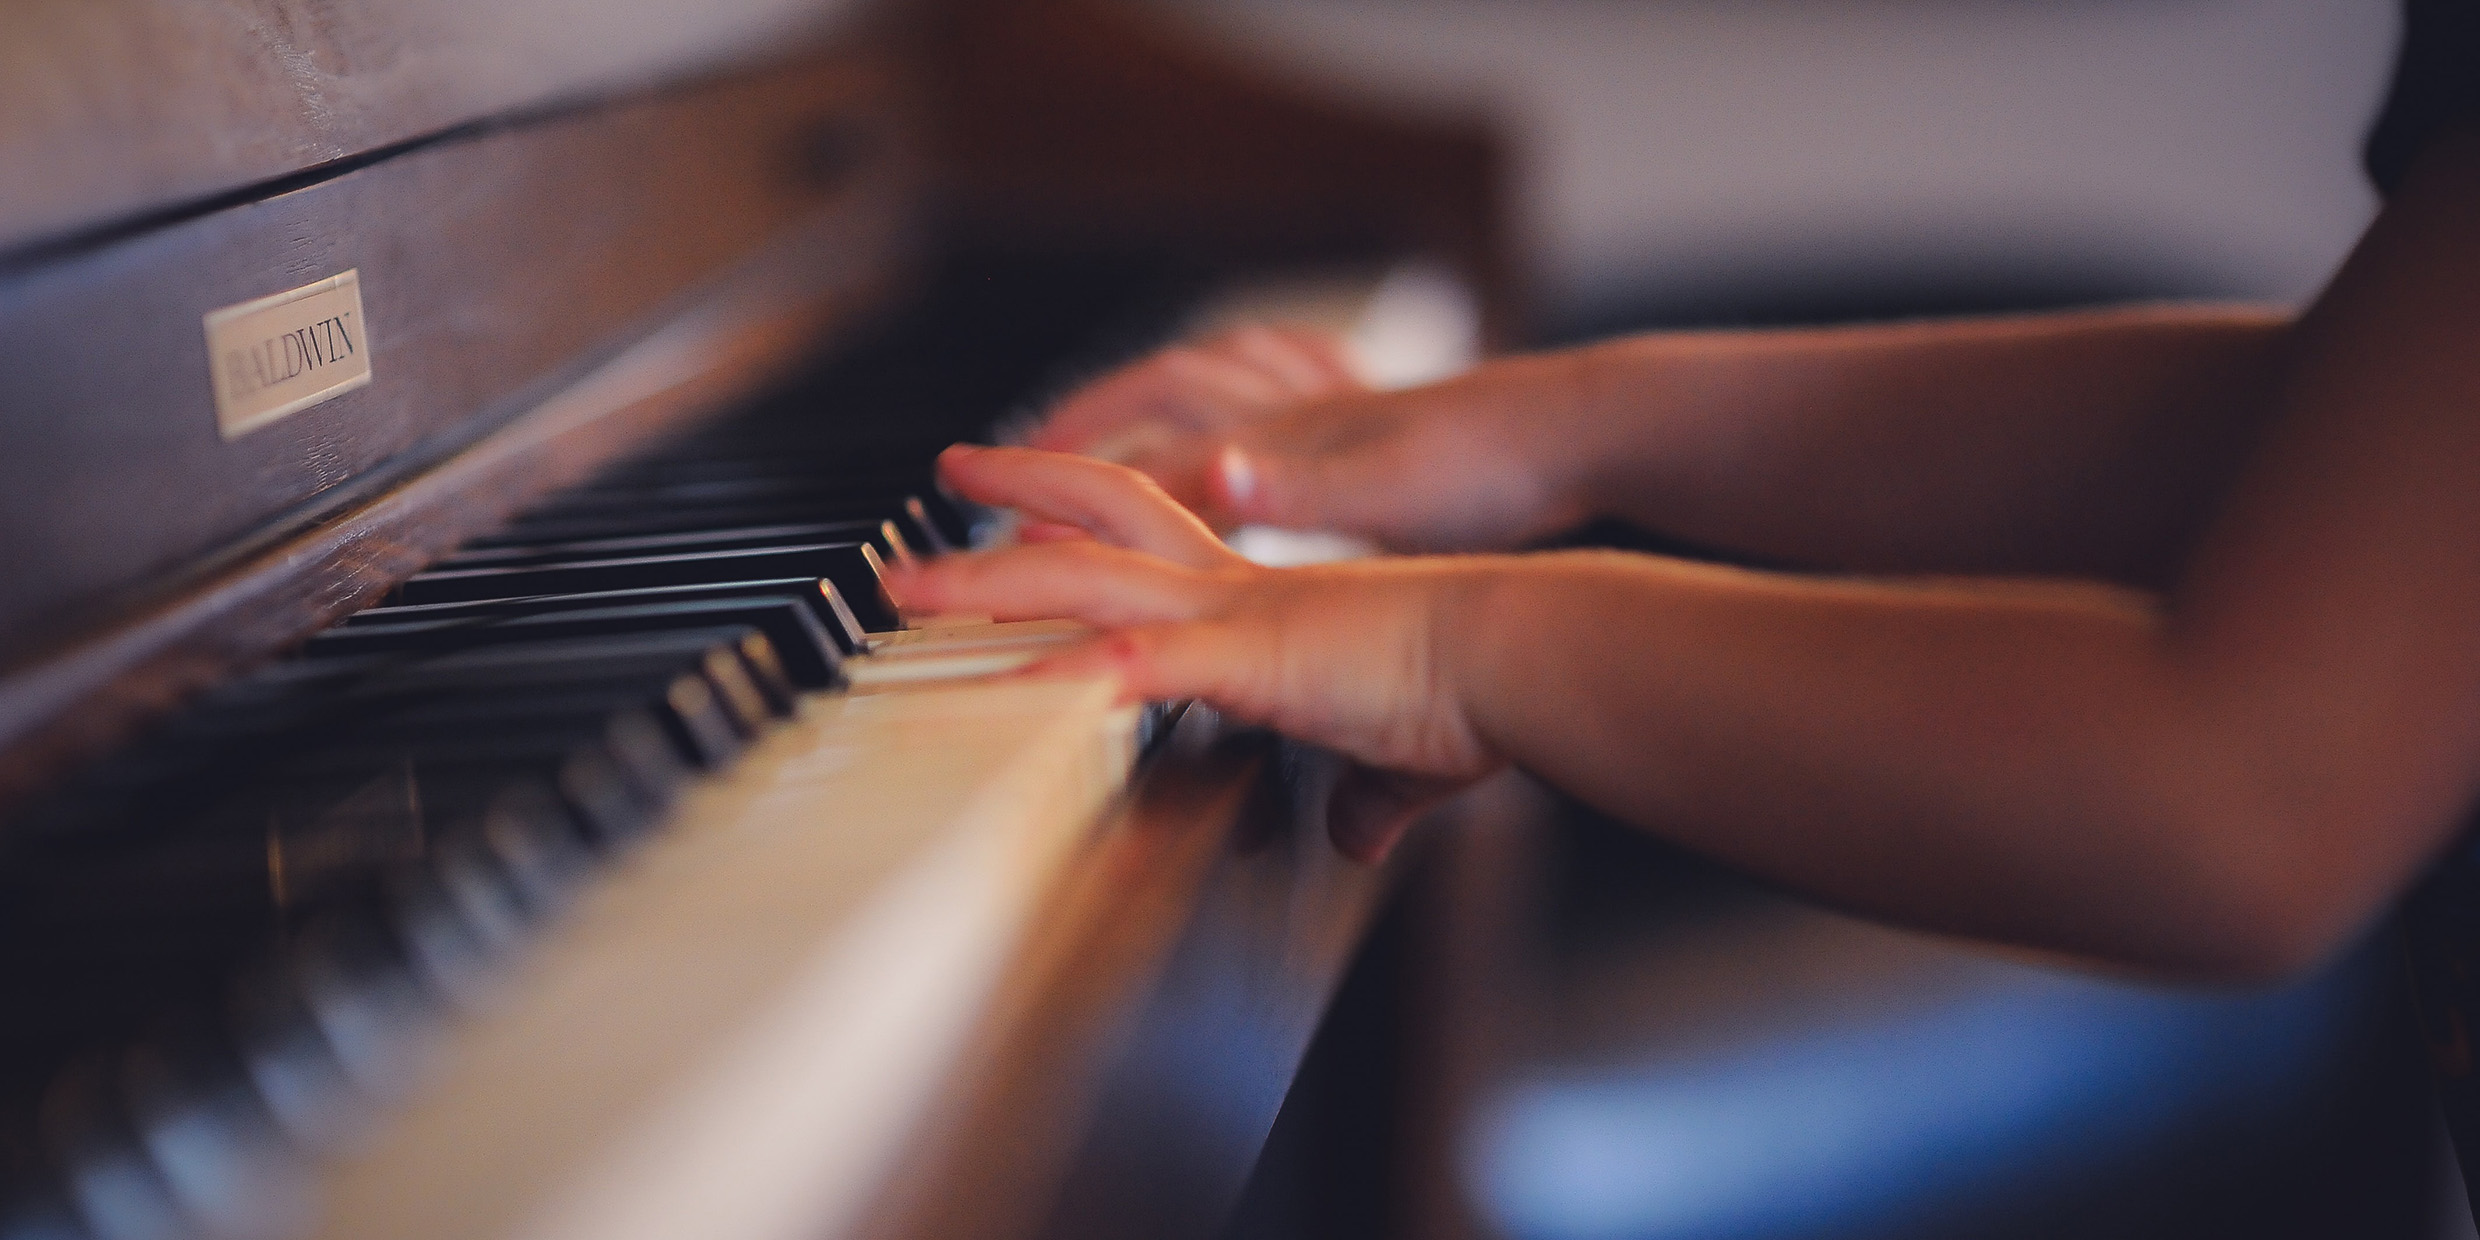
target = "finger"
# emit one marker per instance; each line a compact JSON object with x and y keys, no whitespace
{"x":1260,"y":486}
{"x":1176,"y":460}
{"x":1305,"y":363}
{"x":1118,"y":505}
{"x":1347,"y":464}
{"x":1370,"y":809}
{"x":1050,"y":531}
{"x":1109,"y":587}
{"x":1122,"y":398}
{"x":1219,"y":390}
{"x":1183,"y":388}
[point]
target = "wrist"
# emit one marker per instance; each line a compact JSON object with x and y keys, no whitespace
{"x":1520,"y":438}
{"x":1632,"y":398}
{"x":1468,"y":634}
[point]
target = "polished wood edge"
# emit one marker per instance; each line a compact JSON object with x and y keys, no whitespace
{"x":68,"y":704}
{"x":493,"y":268}
{"x":1212,"y":894}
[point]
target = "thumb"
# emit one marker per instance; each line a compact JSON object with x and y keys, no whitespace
{"x":1295,"y":491}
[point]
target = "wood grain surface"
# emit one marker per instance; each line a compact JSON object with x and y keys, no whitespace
{"x":492,"y":271}
{"x":109,"y":111}
{"x":713,"y":342}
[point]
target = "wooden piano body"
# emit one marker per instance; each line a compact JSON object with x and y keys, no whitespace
{"x":579,"y":230}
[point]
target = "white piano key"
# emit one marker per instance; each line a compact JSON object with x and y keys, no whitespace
{"x":732,"y":1034}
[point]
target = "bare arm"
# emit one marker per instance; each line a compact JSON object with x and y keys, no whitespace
{"x":2227,"y":778}
{"x":2230,"y":778}
{"x":2085,"y":442}
{"x":2088,"y":442}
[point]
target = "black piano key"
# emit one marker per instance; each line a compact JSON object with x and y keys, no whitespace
{"x":767,"y":672}
{"x":465,"y":727}
{"x":525,"y":835}
{"x":749,"y":449}
{"x":457,"y":733}
{"x":938,"y":527}
{"x":745,"y":482}
{"x":289,"y":1061}
{"x":798,"y":643}
{"x":707,"y":724}
{"x":456,"y":954}
{"x":628,"y":522}
{"x":553,"y":703}
{"x":632,"y":517}
{"x":463,"y":918}
{"x":729,"y":661}
{"x":213,"y":891}
{"x":603,"y":798}
{"x":754,"y":484}
{"x":212,"y":1139}
{"x":301,"y":686}
{"x":817,"y":596}
{"x":609,"y":794}
{"x":319,"y":690}
{"x":111,"y":1185}
{"x":362,"y":993}
{"x":491,"y":885}
{"x":855,"y":568}
{"x":367,"y":796}
{"x":449,"y":757}
{"x":680,"y":542}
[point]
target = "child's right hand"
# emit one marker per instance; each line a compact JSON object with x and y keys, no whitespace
{"x":1353,"y":656}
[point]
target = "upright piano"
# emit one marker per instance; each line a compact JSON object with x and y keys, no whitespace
{"x":459,"y":774}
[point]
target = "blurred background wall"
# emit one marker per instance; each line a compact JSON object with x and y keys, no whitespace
{"x":1685,"y":160}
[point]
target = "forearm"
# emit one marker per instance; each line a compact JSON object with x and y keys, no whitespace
{"x":1983,"y":760}
{"x":2088,"y":442}
{"x":2230,"y":776}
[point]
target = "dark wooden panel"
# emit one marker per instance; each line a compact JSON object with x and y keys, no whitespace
{"x":491,"y":269}
{"x":86,"y":696}
{"x":1108,"y":125}
{"x":1123,"y":1084}
{"x":109,"y":110}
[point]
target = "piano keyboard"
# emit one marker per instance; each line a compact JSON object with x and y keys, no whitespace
{"x":632,"y":870}
{"x":776,"y":983}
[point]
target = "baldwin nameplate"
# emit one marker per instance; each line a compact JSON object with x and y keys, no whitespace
{"x":279,"y":355}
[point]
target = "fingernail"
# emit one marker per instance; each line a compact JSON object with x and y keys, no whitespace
{"x":1239,"y":476}
{"x":961,"y":449}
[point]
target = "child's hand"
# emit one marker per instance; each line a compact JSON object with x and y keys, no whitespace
{"x":1345,"y":656}
{"x":1169,"y":414}
{"x":1267,"y":427}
